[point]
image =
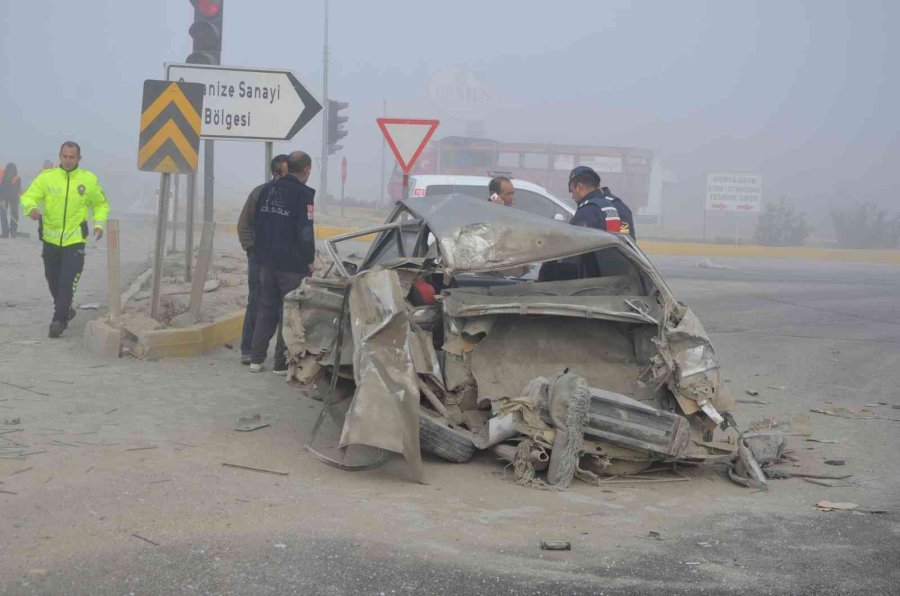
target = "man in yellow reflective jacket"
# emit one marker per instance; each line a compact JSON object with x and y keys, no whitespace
{"x":59,"y":199}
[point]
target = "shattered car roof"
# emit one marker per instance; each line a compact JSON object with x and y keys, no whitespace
{"x":477,"y":235}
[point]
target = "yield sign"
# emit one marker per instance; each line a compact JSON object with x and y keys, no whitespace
{"x":407,"y":138}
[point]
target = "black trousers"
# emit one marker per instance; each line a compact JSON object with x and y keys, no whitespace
{"x":252,"y":305}
{"x":62,"y":268}
{"x":273,"y":287}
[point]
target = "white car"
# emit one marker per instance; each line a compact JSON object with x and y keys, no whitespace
{"x":529,"y":196}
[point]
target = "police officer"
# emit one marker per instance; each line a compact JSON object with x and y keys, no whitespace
{"x":65,"y":193}
{"x":595,"y":210}
{"x":624,"y":211}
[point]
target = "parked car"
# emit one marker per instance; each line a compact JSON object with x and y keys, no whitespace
{"x":433,"y":339}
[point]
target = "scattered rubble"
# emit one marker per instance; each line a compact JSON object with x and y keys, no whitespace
{"x":249,"y":423}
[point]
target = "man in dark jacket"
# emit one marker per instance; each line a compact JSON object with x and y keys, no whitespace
{"x":284,"y":246}
{"x":595,"y":210}
{"x":278,"y":168}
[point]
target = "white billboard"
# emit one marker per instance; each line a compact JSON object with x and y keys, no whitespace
{"x":734,"y":192}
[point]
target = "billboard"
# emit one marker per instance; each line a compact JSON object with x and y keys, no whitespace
{"x":734,"y":192}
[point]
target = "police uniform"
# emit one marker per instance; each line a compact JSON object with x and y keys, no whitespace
{"x":66,"y":196}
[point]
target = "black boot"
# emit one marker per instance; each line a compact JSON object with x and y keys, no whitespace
{"x":57,"y":328}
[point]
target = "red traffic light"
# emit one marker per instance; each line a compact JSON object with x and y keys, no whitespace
{"x":209,"y":8}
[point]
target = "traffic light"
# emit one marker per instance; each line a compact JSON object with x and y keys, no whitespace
{"x":207,"y":32}
{"x":336,"y":122}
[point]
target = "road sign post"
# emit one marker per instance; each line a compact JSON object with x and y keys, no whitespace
{"x":407,"y":139}
{"x":169,"y":143}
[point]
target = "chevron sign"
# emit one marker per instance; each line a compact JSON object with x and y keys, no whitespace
{"x":170,"y":127}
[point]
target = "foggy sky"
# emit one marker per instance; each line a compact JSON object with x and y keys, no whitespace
{"x":803,"y":92}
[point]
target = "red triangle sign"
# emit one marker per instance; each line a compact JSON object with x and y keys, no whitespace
{"x":407,"y":138}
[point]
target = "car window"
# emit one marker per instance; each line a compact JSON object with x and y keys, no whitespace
{"x":534,"y":203}
{"x":479,"y":192}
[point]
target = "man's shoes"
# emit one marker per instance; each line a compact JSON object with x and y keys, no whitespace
{"x":255,"y":368}
{"x":280,"y":368}
{"x":72,"y":313}
{"x":245,"y":358}
{"x":57,"y":328}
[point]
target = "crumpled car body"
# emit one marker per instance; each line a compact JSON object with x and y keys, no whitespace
{"x":486,"y":349}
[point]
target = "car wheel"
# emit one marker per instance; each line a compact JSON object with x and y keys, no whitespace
{"x":438,"y":439}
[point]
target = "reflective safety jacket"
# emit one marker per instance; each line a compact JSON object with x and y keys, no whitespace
{"x":66,"y":197}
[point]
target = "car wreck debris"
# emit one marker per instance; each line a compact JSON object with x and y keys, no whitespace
{"x":444,"y":338}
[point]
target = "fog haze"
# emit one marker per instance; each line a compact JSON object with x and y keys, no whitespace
{"x":802,"y":92}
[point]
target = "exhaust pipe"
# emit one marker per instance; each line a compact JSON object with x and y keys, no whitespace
{"x":539,"y":459}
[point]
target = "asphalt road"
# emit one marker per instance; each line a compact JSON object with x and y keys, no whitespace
{"x":124,"y":491}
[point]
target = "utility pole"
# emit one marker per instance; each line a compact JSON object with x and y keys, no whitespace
{"x":323,"y":184}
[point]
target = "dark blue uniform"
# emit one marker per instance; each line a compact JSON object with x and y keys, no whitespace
{"x":601,"y":213}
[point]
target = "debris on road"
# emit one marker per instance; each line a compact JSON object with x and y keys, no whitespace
{"x":829,"y":484}
{"x":827,"y":441}
{"x":91,"y":306}
{"x":830,"y":506}
{"x":852,"y":413}
{"x":249,"y":423}
{"x":556,"y":545}
{"x":835,"y":462}
{"x":23,"y":388}
{"x":710,"y":264}
{"x":139,"y":537}
{"x":254,"y":469}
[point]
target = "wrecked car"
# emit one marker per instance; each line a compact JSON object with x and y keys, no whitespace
{"x":450,"y":336}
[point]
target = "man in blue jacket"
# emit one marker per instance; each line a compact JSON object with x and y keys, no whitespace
{"x":284,"y":248}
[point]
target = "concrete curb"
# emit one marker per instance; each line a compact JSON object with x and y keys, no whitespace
{"x":190,"y":341}
{"x":102,"y":338}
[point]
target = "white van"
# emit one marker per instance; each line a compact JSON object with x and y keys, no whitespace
{"x":529,"y":196}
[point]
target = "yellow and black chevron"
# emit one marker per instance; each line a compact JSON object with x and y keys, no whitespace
{"x":170,"y":127}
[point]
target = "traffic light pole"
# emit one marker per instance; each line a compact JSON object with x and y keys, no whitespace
{"x":323,"y":184}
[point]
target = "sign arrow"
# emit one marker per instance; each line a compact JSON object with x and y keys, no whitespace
{"x":718,"y":206}
{"x":745,"y":207}
{"x":265,"y":104}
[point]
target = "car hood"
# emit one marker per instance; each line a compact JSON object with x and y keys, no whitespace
{"x":477,"y":235}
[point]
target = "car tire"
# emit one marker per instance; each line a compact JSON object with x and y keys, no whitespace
{"x":438,"y":439}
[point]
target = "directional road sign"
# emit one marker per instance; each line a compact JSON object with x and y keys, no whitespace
{"x":407,"y":138}
{"x":170,"y":127}
{"x":734,"y":192}
{"x":263,"y":104}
